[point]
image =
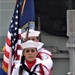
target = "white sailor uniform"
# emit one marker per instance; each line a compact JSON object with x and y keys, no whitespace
{"x":46,"y":56}
{"x":37,"y":71}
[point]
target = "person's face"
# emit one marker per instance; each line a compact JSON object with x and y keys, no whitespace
{"x":30,"y":54}
{"x":33,"y":38}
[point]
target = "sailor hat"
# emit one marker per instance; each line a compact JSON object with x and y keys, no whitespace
{"x":31,"y":44}
{"x":31,"y":33}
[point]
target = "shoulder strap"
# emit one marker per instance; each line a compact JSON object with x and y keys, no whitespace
{"x":35,"y":67}
{"x":30,"y":73}
{"x":26,"y":68}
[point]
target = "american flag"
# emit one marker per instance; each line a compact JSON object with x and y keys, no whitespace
{"x":13,"y":41}
{"x":23,"y":13}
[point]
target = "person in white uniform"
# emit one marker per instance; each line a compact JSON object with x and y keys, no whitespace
{"x":30,"y":65}
{"x":44,"y":54}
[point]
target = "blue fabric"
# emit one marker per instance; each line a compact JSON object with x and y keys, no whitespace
{"x":2,"y":71}
{"x":28,"y":14}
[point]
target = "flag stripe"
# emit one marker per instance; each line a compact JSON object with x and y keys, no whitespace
{"x":5,"y":64}
{"x":18,"y":47}
{"x":6,"y":54}
{"x":19,"y":36}
{"x":9,"y":35}
{"x":8,"y":41}
{"x":6,"y":59}
{"x":7,"y":48}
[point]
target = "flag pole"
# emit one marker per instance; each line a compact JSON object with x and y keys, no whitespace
{"x":39,"y":28}
{"x":27,"y":32}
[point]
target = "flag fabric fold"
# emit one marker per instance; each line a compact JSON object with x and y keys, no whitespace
{"x":24,"y":13}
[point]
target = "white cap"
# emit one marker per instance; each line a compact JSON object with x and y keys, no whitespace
{"x":31,"y":33}
{"x":31,"y":44}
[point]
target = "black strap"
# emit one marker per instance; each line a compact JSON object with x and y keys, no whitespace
{"x":35,"y":67}
{"x":30,"y":73}
{"x":26,"y":68}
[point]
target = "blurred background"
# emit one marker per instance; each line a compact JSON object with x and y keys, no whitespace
{"x":53,"y":21}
